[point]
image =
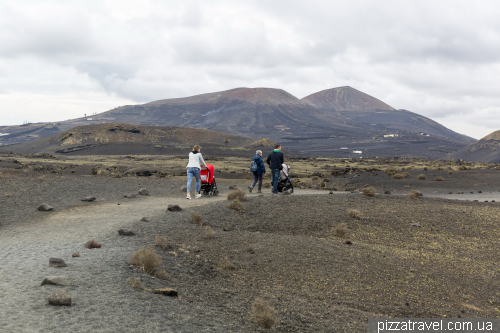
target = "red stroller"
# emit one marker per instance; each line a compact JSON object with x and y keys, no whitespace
{"x":208,"y":184}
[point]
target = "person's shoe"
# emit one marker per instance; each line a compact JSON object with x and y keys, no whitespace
{"x":250,"y":188}
{"x":198,"y":195}
{"x":188,"y":196}
{"x":259,"y":192}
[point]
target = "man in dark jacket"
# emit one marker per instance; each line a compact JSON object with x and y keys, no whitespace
{"x":275,"y":160}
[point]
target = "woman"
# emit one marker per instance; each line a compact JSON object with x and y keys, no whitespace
{"x":261,"y":171}
{"x":193,"y":169}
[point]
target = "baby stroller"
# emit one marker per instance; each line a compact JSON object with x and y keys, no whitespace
{"x":285,"y":182}
{"x":208,"y":184}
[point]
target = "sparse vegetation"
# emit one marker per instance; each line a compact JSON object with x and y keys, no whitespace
{"x":236,"y":205}
{"x":369,"y":191}
{"x":414,"y":195}
{"x":398,"y":176}
{"x":355,"y":214}
{"x":161,"y":274}
{"x":439,"y":179}
{"x":226,"y":265}
{"x":315,"y":178}
{"x":462,"y":167}
{"x":340,"y":230}
{"x":146,"y":260}
{"x":425,"y":168}
{"x":391,"y":171}
{"x":118,"y":175}
{"x":263,"y":314}
{"x":450,"y":172}
{"x":209,"y":233}
{"x":161,"y":242}
{"x":196,"y":218}
{"x":236,"y":195}
{"x":136,"y":283}
{"x":421,"y":176}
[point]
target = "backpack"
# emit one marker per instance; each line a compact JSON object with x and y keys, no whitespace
{"x":253,"y":166}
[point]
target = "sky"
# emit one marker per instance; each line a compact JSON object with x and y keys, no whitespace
{"x":64,"y":59}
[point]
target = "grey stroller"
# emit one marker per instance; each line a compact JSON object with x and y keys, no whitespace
{"x":285,"y":183}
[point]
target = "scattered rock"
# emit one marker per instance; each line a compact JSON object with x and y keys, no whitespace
{"x":130,"y":196}
{"x":89,"y":198}
{"x":183,"y":189}
{"x":233,"y":187}
{"x":449,"y":192}
{"x":476,"y":200}
{"x":56,"y":262}
{"x":144,"y":219}
{"x":166,"y":292}
{"x":348,"y":242}
{"x":118,"y":204}
{"x":92,"y":244}
{"x":60,"y":297}
{"x":125,"y":232}
{"x":492,"y":200}
{"x":75,"y":255}
{"x":387,"y":192}
{"x":143,"y":191}
{"x":479,"y":191}
{"x":174,"y":208}
{"x":485,"y":200}
{"x":61,"y":280}
{"x":45,"y":208}
{"x":330,"y":192}
{"x":415,"y":224}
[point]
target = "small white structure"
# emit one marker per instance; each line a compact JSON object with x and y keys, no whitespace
{"x":89,"y":118}
{"x":357,"y":152}
{"x":343,"y":148}
{"x":2,"y":134}
{"x":390,"y":135}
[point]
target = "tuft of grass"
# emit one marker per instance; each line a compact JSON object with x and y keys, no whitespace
{"x":462,"y":167}
{"x":161,"y":242}
{"x":196,"y":218}
{"x":439,"y":179}
{"x":237,"y":195}
{"x":136,"y":283}
{"x":369,"y":191}
{"x":414,"y":195}
{"x":450,"y":172}
{"x":315,"y":178}
{"x":161,"y":274}
{"x":236,"y":205}
{"x":226,"y":265}
{"x":118,"y":175}
{"x":391,"y":171}
{"x":263,"y":314}
{"x":406,"y":174}
{"x":146,"y":260}
{"x":398,"y":176}
{"x":355,"y":214}
{"x":421,"y":176}
{"x":209,"y":233}
{"x":425,"y":168}
{"x":41,"y":178}
{"x":340,"y":230}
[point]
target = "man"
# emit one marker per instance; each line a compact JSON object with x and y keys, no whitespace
{"x":275,"y":160}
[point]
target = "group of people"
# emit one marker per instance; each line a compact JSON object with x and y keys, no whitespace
{"x":274,"y":160}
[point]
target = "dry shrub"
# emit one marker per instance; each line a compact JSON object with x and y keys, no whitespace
{"x":237,"y":195}
{"x":136,"y":283}
{"x":314,"y":178}
{"x":440,"y":168}
{"x":369,"y":191}
{"x":248,"y":177}
{"x":450,"y":172}
{"x":391,"y":171}
{"x":340,"y":230}
{"x":41,"y":178}
{"x":236,"y":205}
{"x":399,"y":176}
{"x":196,"y":218}
{"x":406,"y":174}
{"x":263,"y":314}
{"x":414,"y":195}
{"x":462,"y":167}
{"x":146,"y":260}
{"x":209,"y":233}
{"x":355,"y":214}
{"x":161,"y":242}
{"x":425,"y":168}
{"x":421,"y":176}
{"x":161,"y":274}
{"x":439,"y":179}
{"x":118,"y":175}
{"x":225,"y":264}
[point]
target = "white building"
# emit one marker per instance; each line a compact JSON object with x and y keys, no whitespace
{"x":390,"y":135}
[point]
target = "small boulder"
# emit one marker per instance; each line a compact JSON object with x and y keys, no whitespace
{"x":60,"y":297}
{"x":330,"y":192}
{"x":348,"y":242}
{"x":143,"y":191}
{"x":387,"y":192}
{"x":56,"y":262}
{"x":92,"y":244}
{"x":75,"y":255}
{"x":61,"y":280}
{"x":174,"y":208}
{"x":144,"y":219}
{"x":45,"y":208}
{"x":479,"y":191}
{"x":130,"y":196}
{"x":125,"y":232}
{"x":233,"y":187}
{"x":449,"y":192}
{"x":89,"y":199}
{"x":166,"y":292}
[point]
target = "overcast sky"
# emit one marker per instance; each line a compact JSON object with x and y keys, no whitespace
{"x":63,"y":59}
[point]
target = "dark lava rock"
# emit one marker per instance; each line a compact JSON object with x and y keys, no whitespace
{"x":45,"y":208}
{"x":89,"y":198}
{"x":60,"y":297}
{"x":74,"y":255}
{"x":143,"y":191}
{"x":174,"y":208}
{"x":125,"y":232}
{"x":479,"y":191}
{"x":92,"y":244}
{"x":130,"y":196}
{"x":449,"y":192}
{"x":387,"y":192}
{"x":330,"y":192}
{"x":144,"y":219}
{"x":56,"y":262}
{"x":348,"y":242}
{"x":166,"y":292}
{"x":492,"y":200}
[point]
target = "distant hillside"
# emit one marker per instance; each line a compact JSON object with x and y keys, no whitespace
{"x":123,"y":139}
{"x":486,"y":150}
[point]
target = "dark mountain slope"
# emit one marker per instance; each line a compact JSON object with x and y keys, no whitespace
{"x":486,"y":150}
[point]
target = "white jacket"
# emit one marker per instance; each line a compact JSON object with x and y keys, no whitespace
{"x":195,"y":160}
